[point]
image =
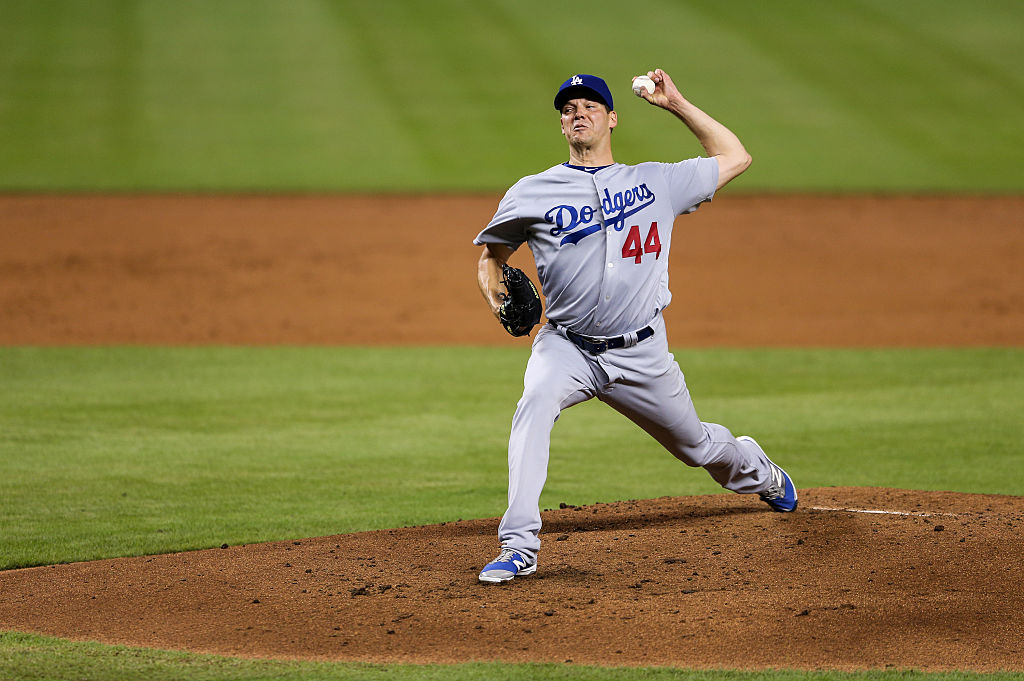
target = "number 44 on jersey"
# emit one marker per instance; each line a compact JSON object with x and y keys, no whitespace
{"x":635,"y":248}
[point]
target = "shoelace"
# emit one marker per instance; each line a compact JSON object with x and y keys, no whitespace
{"x":505,"y":555}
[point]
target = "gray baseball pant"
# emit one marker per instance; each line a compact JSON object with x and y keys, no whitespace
{"x":644,"y":383}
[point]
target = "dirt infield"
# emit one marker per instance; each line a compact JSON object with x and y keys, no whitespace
{"x":748,"y":271}
{"x":857,"y":578}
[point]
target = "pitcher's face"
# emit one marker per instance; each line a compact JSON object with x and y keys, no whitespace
{"x":586,"y":122}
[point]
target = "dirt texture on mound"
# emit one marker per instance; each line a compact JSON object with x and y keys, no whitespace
{"x":856,"y":578}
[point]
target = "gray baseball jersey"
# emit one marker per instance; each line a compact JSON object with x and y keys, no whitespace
{"x":601,"y":240}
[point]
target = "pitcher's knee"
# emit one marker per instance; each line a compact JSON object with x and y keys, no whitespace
{"x":538,"y":400}
{"x":697,"y":456}
{"x":535,"y":407}
{"x":700,"y":453}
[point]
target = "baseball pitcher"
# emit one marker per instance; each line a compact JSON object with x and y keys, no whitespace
{"x":600,"y":233}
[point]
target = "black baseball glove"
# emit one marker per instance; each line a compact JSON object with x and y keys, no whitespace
{"x":521,"y":310}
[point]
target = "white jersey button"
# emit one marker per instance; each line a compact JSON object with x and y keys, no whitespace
{"x":611,"y":265}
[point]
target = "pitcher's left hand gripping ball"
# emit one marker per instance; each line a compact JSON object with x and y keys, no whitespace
{"x":521,"y":310}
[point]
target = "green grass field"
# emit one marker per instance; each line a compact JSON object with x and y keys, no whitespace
{"x":31,"y":658}
{"x":350,"y":95}
{"x":26,"y":657}
{"x":125,"y":451}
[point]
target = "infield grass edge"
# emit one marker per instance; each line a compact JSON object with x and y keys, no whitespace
{"x":26,"y":656}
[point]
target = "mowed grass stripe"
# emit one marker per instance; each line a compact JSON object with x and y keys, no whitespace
{"x":448,"y":96}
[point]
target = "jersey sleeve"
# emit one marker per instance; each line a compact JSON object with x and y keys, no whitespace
{"x":691,"y":183}
{"x":506,"y":227}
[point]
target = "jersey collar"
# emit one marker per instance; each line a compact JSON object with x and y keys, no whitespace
{"x":587,"y":169}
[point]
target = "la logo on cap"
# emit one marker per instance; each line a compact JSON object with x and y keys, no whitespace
{"x":576,"y":80}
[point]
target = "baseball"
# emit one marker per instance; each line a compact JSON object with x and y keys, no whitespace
{"x":641,"y":83}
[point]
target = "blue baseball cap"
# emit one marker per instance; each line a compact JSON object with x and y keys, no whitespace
{"x":587,"y":86}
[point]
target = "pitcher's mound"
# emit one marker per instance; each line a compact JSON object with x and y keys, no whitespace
{"x":856,"y":578}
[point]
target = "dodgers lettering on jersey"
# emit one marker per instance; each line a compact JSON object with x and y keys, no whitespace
{"x":601,"y":240}
{"x":616,"y":210}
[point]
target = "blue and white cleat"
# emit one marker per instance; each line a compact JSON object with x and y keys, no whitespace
{"x":781,"y":492}
{"x":507,"y":566}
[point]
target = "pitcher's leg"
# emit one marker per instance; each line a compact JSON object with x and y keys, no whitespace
{"x":557,"y":377}
{"x":661,"y":405}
